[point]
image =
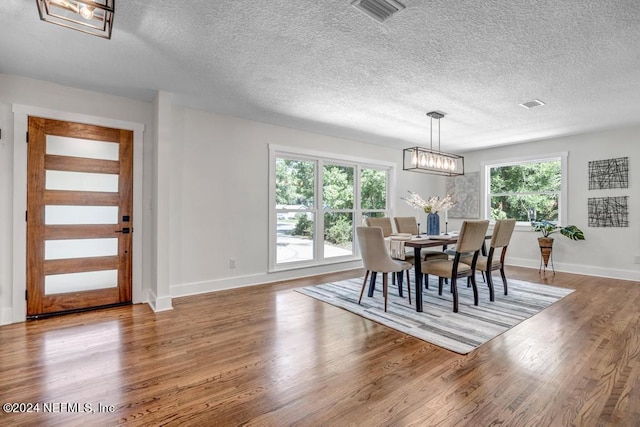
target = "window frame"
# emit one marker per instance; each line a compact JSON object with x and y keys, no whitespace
{"x":515,"y":161}
{"x":320,"y":159}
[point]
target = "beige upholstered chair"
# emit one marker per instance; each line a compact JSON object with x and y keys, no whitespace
{"x":500,"y":238}
{"x":387,"y":230}
{"x":408,"y":224}
{"x":376,"y":259}
{"x":471,"y":236}
{"x":384,"y":223}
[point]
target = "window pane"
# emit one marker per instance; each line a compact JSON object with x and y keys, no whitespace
{"x":525,"y":208}
{"x":76,"y":282}
{"x":525,"y":178}
{"x":338,"y":234}
{"x":80,"y":248}
{"x":337,"y":187}
{"x":294,"y":183}
{"x":54,"y":214}
{"x":74,"y":147}
{"x":81,"y":181}
{"x":294,"y":239}
{"x":373,"y":189}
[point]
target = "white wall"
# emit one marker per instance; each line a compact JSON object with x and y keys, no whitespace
{"x":6,"y":209}
{"x":35,"y":93}
{"x":219,"y":197}
{"x":606,"y":251}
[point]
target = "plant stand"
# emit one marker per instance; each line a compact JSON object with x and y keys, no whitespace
{"x":546,"y":254}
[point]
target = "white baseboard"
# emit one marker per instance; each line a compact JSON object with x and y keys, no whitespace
{"x":159,"y":304}
{"x":578,"y":269}
{"x":195,"y":288}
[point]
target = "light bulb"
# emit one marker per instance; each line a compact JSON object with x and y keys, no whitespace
{"x":445,"y":164}
{"x":423,"y":160}
{"x":414,"y":158}
{"x":439,"y":162}
{"x":86,"y":12}
{"x":453,"y":165}
{"x":432,"y":161}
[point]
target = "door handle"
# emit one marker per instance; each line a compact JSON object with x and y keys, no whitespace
{"x":125,"y":230}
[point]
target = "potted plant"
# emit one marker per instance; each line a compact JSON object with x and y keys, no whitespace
{"x":547,"y":228}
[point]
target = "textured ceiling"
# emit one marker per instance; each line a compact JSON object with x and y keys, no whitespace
{"x":325,"y":67}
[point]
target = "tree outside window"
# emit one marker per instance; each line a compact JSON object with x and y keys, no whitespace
{"x":305,"y":219}
{"x":525,"y":191}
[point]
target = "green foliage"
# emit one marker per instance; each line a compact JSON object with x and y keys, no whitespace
{"x":498,"y":213}
{"x":519,"y":190}
{"x":294,"y":182}
{"x":338,"y":187}
{"x":548,"y":227}
{"x":304,"y":226}
{"x":373,"y":191}
{"x":340,"y":231}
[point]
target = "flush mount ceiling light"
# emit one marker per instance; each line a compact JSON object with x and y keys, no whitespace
{"x":428,"y":160}
{"x":89,"y":16}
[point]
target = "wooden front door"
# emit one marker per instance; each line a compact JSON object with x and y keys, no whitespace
{"x":79,"y":216}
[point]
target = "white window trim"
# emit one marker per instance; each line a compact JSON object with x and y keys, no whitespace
{"x":563,"y":197}
{"x":276,"y":150}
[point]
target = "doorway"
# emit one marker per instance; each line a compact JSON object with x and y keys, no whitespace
{"x":79,"y":216}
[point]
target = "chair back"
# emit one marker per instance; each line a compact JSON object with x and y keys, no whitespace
{"x":406,"y":224}
{"x":502,"y":232}
{"x":384,"y":223}
{"x":373,"y":250}
{"x":472,"y":235}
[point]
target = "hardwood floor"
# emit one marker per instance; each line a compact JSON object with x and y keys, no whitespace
{"x":267,"y":355}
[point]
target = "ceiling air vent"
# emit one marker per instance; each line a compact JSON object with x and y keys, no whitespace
{"x":532,"y":104}
{"x":380,"y":10}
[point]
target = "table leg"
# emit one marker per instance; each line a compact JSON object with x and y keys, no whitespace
{"x":418,"y":281}
{"x":372,"y":283}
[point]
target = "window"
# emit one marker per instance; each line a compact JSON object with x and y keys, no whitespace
{"x":318,"y":200}
{"x":526,"y":189}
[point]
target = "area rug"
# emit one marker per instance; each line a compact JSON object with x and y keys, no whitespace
{"x":460,"y":332}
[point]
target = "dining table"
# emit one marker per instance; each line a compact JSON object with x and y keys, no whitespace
{"x":419,"y":242}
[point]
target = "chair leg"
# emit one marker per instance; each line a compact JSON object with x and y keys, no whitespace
{"x":455,"y":294}
{"x":393,"y":278}
{"x":492,"y":295}
{"x":484,"y":278}
{"x":408,"y":287}
{"x":385,"y":284}
{"x":425,"y":280}
{"x":364,"y":284}
{"x":504,"y":279}
{"x":475,"y":289}
{"x":440,"y":285}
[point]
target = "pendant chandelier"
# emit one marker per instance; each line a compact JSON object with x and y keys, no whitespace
{"x":93,"y":17}
{"x":428,"y":160}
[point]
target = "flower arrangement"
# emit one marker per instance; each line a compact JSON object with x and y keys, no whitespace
{"x":432,"y":205}
{"x":547,"y":227}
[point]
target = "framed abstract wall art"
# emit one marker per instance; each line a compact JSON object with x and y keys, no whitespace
{"x":465,"y":190}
